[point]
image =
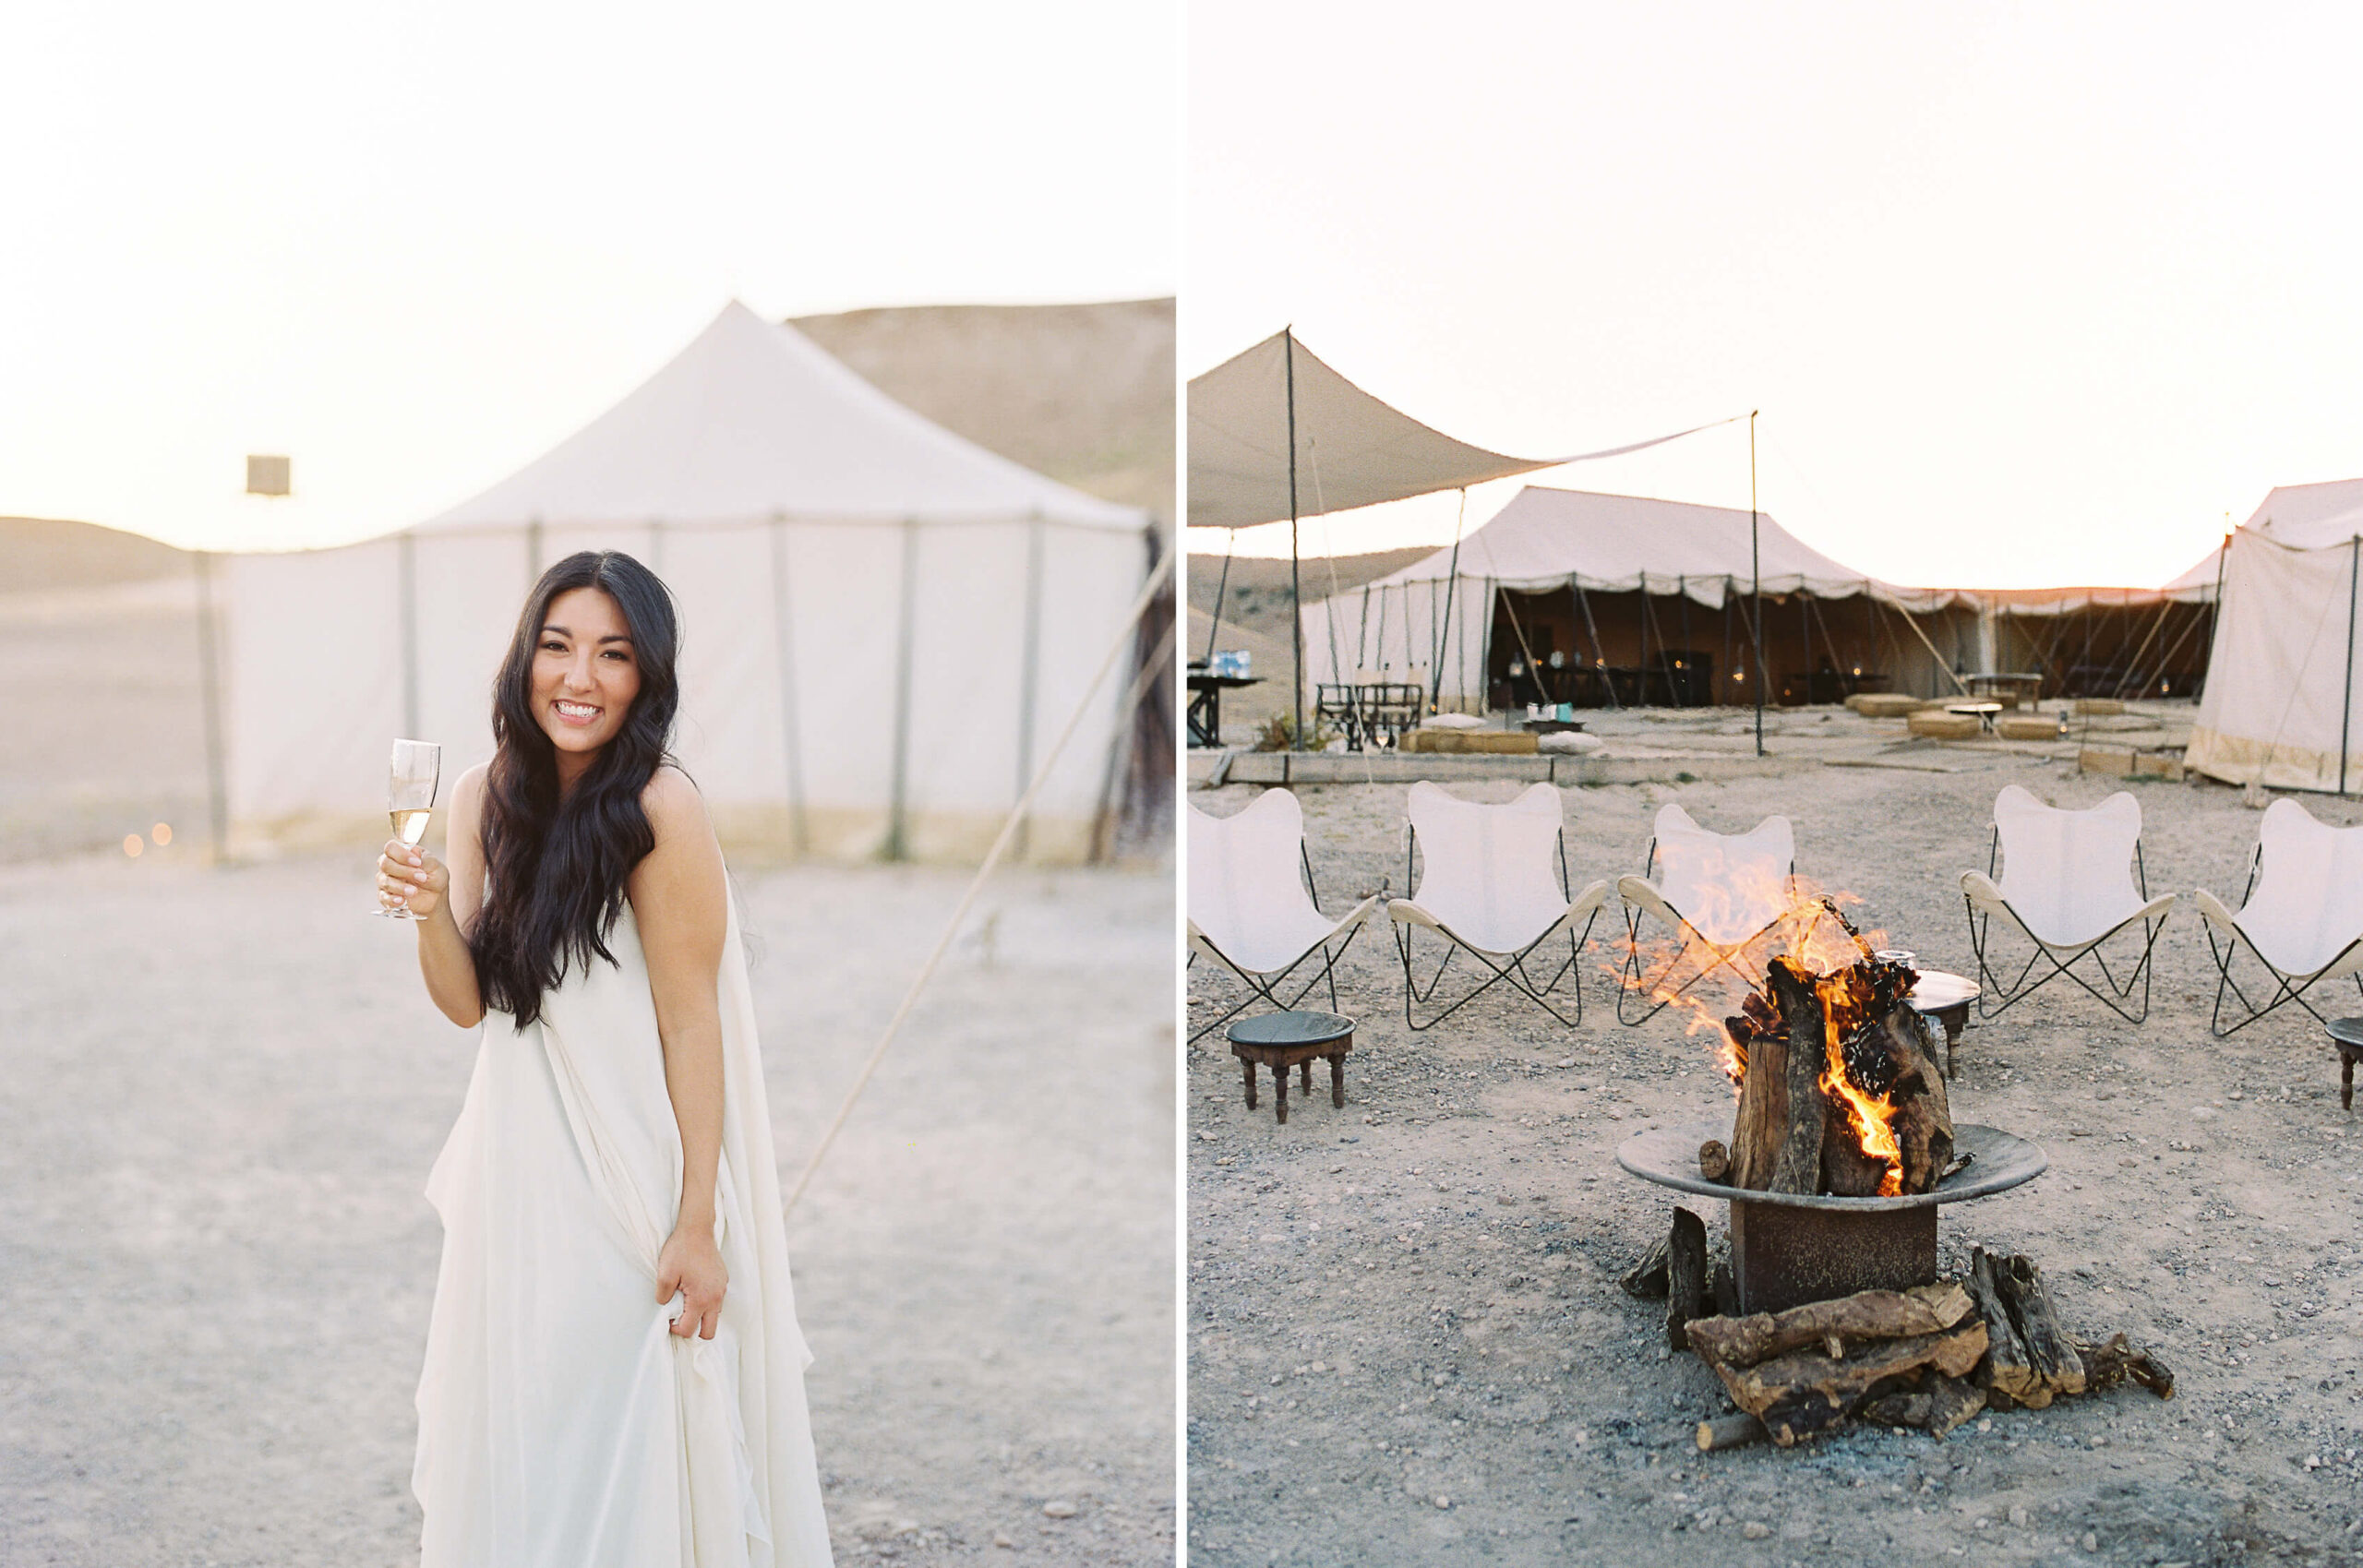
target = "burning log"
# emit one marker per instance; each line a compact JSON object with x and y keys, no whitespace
{"x":1686,"y":1275}
{"x":1865,"y":1315}
{"x":1924,"y":1120}
{"x":1797,"y":1166}
{"x":1762,"y":1119}
{"x":1808,"y":1392}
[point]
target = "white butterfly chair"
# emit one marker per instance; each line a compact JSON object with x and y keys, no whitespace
{"x":1494,"y":884}
{"x":2071,"y":881}
{"x":1720,"y":891}
{"x":1250,"y":909}
{"x":2302,"y":915}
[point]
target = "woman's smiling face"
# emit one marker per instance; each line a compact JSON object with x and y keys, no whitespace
{"x":586,"y":675}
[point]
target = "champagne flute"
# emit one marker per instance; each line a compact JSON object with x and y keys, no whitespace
{"x":416,"y":768}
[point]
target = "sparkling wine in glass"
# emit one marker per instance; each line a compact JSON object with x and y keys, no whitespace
{"x":416,"y":768}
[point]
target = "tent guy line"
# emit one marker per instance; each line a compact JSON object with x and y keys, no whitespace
{"x":1116,"y":646}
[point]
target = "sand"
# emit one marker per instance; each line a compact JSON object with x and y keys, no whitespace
{"x":1406,"y":1342}
{"x":223,"y":1091}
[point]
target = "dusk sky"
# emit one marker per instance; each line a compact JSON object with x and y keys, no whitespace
{"x":414,"y":247}
{"x":2026,"y":294}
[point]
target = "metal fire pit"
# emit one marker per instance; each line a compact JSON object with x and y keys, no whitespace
{"x":1789,"y":1247}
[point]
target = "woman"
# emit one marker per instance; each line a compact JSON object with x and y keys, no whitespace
{"x":614,"y":1376}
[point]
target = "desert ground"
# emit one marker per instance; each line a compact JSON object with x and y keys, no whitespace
{"x":1406,"y":1339}
{"x":226,"y":1088}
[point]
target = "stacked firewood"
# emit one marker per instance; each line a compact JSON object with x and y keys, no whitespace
{"x":1930,"y":1358}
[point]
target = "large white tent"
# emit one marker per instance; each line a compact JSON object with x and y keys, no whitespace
{"x":1436,"y":617}
{"x":2282,"y":697}
{"x":884,"y":624}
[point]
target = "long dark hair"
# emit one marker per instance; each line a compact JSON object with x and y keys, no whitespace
{"x":556,"y":868}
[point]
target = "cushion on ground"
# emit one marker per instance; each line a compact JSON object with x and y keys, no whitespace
{"x":1937,"y":724}
{"x":1883,"y":704}
{"x":2027,"y":726}
{"x":1452,"y":722}
{"x":1504,"y":742}
{"x":2099,"y":707}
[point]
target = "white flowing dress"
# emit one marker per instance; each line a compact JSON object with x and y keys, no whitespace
{"x":560,"y":1423}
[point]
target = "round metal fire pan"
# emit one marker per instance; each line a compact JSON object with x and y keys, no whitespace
{"x":1669,"y":1158}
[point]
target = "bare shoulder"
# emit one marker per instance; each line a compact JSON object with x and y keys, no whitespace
{"x":675,"y":807}
{"x":468,"y":792}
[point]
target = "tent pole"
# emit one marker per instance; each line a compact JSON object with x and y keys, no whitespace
{"x":1029,"y":662}
{"x":217,"y":790}
{"x":1598,"y":653}
{"x":1230,"y":542}
{"x":1296,"y":589}
{"x":1755,"y":566}
{"x":1443,"y":630}
{"x":534,"y":550}
{"x":1641,"y":691}
{"x":2215,"y":609}
{"x":784,"y":650}
{"x":898,"y":844}
{"x":1731,"y":593}
{"x":2346,"y":696}
{"x":1681,"y":597}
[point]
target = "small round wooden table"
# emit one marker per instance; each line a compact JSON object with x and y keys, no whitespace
{"x":1946,"y":998}
{"x":1282,"y":1040}
{"x":2348,"y":1033}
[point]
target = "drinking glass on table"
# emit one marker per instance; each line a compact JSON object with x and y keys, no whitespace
{"x":416,"y":768}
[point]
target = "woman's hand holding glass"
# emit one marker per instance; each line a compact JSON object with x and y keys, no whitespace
{"x":410,"y":880}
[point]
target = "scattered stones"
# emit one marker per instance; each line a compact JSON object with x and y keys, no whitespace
{"x":1059,"y":1508}
{"x":1755,"y":1529}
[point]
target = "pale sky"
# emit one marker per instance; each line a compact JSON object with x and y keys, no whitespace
{"x":2029,"y":295}
{"x":414,"y":247}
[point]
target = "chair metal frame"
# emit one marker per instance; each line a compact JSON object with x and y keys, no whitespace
{"x":2013,"y":991}
{"x":1630,"y":982}
{"x":1267,"y":988}
{"x":2225,"y":950}
{"x":1513,"y":970}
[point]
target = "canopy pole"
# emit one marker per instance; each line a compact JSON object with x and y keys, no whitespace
{"x":1443,"y":629}
{"x":1682,"y":598}
{"x":1730,"y":596}
{"x":1029,"y":665}
{"x":1755,"y":568}
{"x":1222,"y":582}
{"x":217,"y":790}
{"x":1296,"y":589}
{"x":898,"y":847}
{"x":783,"y":650}
{"x":2133,"y":666}
{"x":2215,"y":610}
{"x":1598,"y":653}
{"x":1641,"y":688}
{"x":2346,"y":696}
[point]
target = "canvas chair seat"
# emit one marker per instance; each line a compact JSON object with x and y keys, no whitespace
{"x":2069,"y":884}
{"x":2303,"y":914}
{"x":1492,"y":883}
{"x":1722,"y":890}
{"x":1249,"y":908}
{"x":1488,"y":882}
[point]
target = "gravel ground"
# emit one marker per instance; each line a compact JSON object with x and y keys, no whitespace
{"x":223,"y":1092}
{"x":1406,"y":1342}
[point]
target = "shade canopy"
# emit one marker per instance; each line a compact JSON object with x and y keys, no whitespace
{"x":2304,"y":517}
{"x":1352,"y":449}
{"x":753,"y":421}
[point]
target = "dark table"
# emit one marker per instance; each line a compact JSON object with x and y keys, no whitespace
{"x":2348,"y":1033}
{"x":1946,"y":998}
{"x":1206,"y":704}
{"x":1282,"y":1040}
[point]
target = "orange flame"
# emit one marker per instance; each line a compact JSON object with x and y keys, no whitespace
{"x":1708,"y":981}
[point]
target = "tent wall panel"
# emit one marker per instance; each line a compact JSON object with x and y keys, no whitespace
{"x":471,"y":589}
{"x":730,"y":736}
{"x":314,"y":681}
{"x":2281,"y":690}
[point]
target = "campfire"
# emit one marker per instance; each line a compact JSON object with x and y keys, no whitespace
{"x":1839,"y":1087}
{"x":1841,"y":1147}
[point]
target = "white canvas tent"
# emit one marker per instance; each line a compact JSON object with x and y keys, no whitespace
{"x":1436,"y":617}
{"x":2282,"y":694}
{"x":884,"y":624}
